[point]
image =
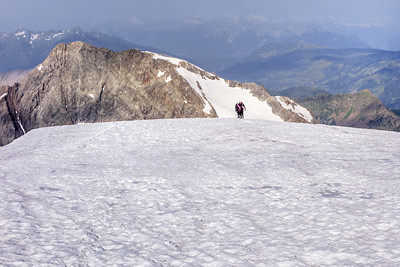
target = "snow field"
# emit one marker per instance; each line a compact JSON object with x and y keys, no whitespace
{"x":200,"y":192}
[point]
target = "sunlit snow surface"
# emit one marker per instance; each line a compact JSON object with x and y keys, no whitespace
{"x":200,"y":192}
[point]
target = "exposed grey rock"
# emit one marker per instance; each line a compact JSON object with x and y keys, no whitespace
{"x":10,"y":123}
{"x":79,"y":83}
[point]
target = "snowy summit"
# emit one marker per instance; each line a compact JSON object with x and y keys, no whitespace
{"x":200,"y":192}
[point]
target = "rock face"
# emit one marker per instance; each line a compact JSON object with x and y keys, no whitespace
{"x":80,"y":83}
{"x":8,"y":130}
{"x":362,"y":110}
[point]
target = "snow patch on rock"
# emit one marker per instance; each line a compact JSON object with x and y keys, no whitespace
{"x":160,"y":73}
{"x":289,"y":104}
{"x":20,"y":33}
{"x":172,"y":60}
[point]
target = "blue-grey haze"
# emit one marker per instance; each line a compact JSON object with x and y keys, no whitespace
{"x":56,"y":14}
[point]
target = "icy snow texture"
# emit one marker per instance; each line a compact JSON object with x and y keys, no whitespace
{"x":200,"y":192}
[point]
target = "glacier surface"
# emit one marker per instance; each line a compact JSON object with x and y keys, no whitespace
{"x":200,"y":192}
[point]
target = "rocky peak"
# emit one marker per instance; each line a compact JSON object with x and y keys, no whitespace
{"x":81,"y":83}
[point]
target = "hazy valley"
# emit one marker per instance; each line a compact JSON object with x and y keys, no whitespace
{"x":279,"y":67}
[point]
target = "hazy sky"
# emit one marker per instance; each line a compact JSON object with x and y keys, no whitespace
{"x":57,"y":14}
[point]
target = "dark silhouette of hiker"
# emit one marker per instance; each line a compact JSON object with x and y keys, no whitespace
{"x":240,"y":108}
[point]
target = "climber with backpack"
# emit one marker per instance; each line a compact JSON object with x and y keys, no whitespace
{"x":240,"y":108}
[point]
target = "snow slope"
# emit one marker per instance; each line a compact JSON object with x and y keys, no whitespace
{"x":200,"y":192}
{"x":223,"y":98}
{"x":217,"y":94}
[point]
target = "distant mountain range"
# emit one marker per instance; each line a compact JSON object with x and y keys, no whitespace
{"x":379,"y":32}
{"x":218,"y":43}
{"x":282,"y":66}
{"x":25,"y":49}
{"x":312,"y":69}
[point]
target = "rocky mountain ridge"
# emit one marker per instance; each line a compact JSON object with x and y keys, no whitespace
{"x":80,"y":83}
{"x":361,"y":110}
